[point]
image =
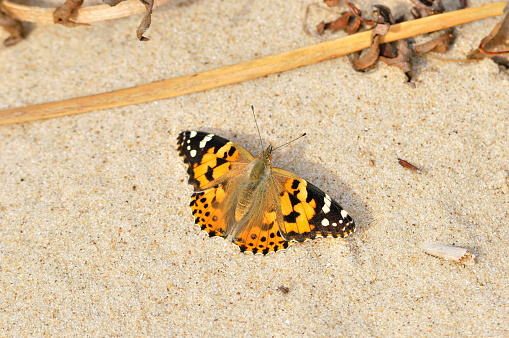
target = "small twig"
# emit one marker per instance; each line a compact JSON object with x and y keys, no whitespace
{"x":88,"y":14}
{"x":247,"y":70}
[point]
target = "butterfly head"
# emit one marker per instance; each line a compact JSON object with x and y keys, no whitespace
{"x":266,"y":155}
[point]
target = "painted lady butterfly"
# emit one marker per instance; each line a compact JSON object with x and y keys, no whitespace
{"x":262,"y":207}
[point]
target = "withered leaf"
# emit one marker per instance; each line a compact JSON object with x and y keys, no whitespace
{"x":320,"y":27}
{"x":425,"y":8}
{"x":13,"y":27}
{"x":355,"y":11}
{"x":331,"y":3}
{"x":403,"y":58}
{"x":369,"y":57}
{"x":495,"y":45}
{"x":145,"y":22}
{"x":439,"y":44}
{"x":498,"y":40}
{"x":403,"y":61}
{"x":347,"y":22}
{"x":384,"y":15}
{"x":112,"y":2}
{"x":63,"y":13}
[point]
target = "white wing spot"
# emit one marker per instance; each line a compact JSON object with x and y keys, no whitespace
{"x":326,"y":205}
{"x":325,"y":222}
{"x":334,"y":224}
{"x":188,"y":147}
{"x":192,"y":134}
{"x":188,"y":141}
{"x":344,"y":214}
{"x":205,"y":140}
{"x":193,"y":153}
{"x":340,"y":221}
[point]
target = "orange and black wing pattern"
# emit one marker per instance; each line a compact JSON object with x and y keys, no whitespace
{"x":308,"y":212}
{"x":212,"y":162}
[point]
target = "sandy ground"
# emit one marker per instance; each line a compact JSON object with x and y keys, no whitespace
{"x":96,"y":235}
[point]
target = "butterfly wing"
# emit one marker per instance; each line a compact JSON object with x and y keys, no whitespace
{"x":210,"y":159}
{"x":307,"y":212}
{"x":258,"y":231}
{"x":213,"y":165}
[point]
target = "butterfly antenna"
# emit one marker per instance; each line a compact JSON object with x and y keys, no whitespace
{"x":261,"y":142}
{"x":295,"y":139}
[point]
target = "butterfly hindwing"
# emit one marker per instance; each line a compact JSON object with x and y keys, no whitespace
{"x":262,"y":237}
{"x":308,"y":212}
{"x":258,"y":232}
{"x":210,"y":158}
{"x":206,"y":208}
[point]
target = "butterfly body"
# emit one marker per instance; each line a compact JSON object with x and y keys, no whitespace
{"x":262,"y":208}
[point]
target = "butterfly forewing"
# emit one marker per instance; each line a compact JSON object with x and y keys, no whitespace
{"x":211,"y":159}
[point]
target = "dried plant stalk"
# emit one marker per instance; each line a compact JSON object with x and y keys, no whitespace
{"x":247,"y":70}
{"x":83,"y":15}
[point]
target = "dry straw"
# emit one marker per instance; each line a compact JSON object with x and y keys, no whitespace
{"x":247,"y":70}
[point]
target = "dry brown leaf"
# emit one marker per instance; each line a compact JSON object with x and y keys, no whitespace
{"x":368,"y":58}
{"x":63,"y":13}
{"x":145,"y":22}
{"x":498,"y":40}
{"x":13,"y":27}
{"x":320,"y":27}
{"x":331,"y":3}
{"x":112,"y":2}
{"x":495,"y":45}
{"x":425,"y":8}
{"x":355,"y":11}
{"x":439,"y":44}
{"x":403,"y":61}
{"x":347,"y":22}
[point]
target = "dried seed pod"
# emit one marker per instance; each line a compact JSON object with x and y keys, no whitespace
{"x":452,"y":253}
{"x":409,"y":166}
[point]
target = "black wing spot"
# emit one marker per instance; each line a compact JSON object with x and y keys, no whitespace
{"x":231,"y":151}
{"x":295,"y":184}
{"x":220,"y":161}
{"x":292,"y":217}
{"x":309,"y":198}
{"x":210,"y":174}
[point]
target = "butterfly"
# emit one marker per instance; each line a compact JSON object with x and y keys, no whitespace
{"x":262,"y":208}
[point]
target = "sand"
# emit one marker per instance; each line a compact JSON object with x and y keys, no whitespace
{"x":96,"y":235}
